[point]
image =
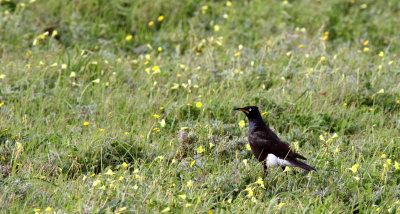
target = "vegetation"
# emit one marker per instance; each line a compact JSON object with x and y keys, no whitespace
{"x":127,"y":106}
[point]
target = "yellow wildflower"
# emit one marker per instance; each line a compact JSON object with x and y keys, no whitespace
{"x":200,"y":150}
{"x":250,"y":192}
{"x":237,"y":54}
{"x":396,"y":165}
{"x":192,"y":163}
{"x":128,"y":37}
{"x":48,"y":209}
{"x":323,"y":58}
{"x":241,"y":123}
{"x":121,"y":178}
{"x":189,"y":183}
{"x":96,"y":80}
{"x":287,"y":169}
{"x":381,"y":54}
{"x":182,"y":196}
{"x":96,"y":182}
{"x":211,"y":145}
{"x":122,"y":209}
{"x":216,"y":28}
{"x":160,"y":18}
{"x":156,"y":68}
{"x":162,"y":123}
{"x":228,"y":3}
{"x":381,"y":91}
{"x":86,"y":123}
{"x":151,"y":23}
{"x":188,"y":205}
{"x":204,"y":9}
{"x":109,"y":172}
{"x":248,"y":147}
{"x":2,"y":76}
{"x":366,"y":42}
{"x":198,"y":105}
{"x":166,"y":210}
{"x":326,"y":35}
{"x":156,"y":116}
{"x":175,"y":86}
{"x":280,"y":205}
{"x":260,"y":181}
{"x":354,"y":168}
{"x":366,"y":49}
{"x":383,"y":156}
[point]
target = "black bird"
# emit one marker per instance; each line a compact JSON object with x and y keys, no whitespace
{"x":266,"y":145}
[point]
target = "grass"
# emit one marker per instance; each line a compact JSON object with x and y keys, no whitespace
{"x":104,"y":115}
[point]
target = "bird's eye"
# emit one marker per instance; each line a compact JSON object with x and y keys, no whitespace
{"x":249,"y":109}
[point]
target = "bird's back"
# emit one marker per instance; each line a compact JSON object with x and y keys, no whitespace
{"x":264,"y":141}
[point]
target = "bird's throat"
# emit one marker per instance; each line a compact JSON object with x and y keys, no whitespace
{"x":255,"y":123}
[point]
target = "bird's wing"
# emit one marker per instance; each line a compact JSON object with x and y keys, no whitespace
{"x":268,"y":142}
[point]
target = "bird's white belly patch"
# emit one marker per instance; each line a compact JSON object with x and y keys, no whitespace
{"x":272,"y":160}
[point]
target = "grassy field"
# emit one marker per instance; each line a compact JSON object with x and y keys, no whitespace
{"x":127,"y":106}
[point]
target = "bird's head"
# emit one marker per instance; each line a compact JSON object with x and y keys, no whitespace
{"x":250,"y":111}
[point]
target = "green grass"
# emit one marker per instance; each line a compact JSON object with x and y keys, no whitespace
{"x":264,"y":53}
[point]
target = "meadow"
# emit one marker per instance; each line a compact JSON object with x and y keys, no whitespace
{"x":127,"y":106}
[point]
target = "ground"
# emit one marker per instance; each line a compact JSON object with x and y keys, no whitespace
{"x":127,"y":106}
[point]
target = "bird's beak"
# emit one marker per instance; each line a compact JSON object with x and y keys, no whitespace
{"x":242,"y":109}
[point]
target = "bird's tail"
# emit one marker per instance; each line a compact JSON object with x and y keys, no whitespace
{"x":302,"y":165}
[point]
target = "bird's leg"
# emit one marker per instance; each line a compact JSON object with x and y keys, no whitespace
{"x":265,"y":168}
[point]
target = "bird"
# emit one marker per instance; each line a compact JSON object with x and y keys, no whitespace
{"x":266,"y":145}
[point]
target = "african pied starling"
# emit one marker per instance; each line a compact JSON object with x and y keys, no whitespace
{"x":266,"y":145}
